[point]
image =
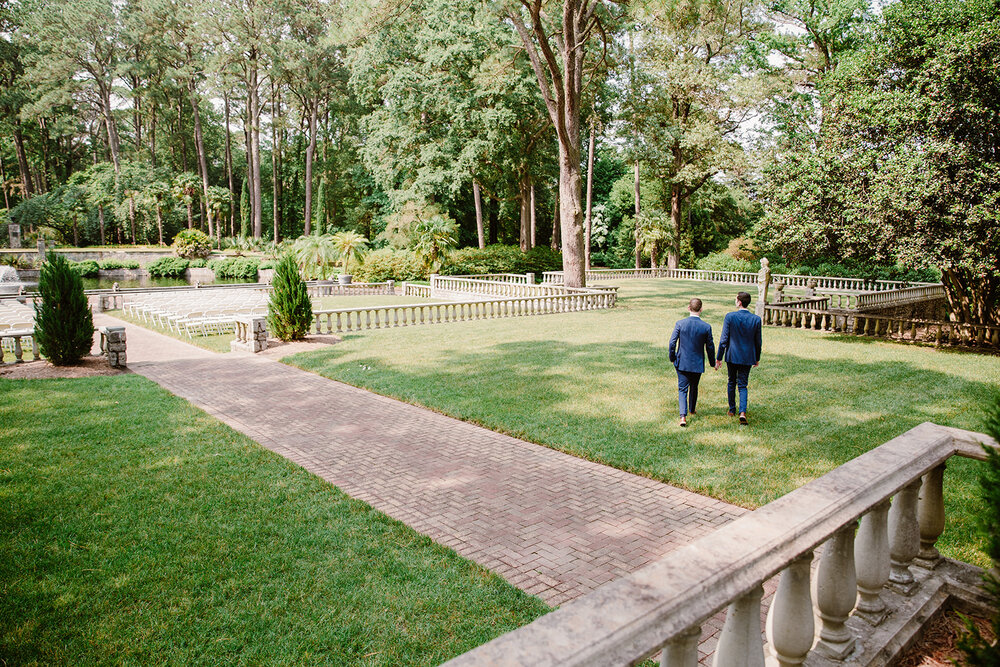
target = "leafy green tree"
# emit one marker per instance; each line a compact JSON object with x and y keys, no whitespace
{"x":185,"y":188}
{"x":908,"y":167}
{"x":290,"y":311}
{"x":64,"y":325}
{"x":349,"y":246}
{"x":433,"y":237}
{"x":315,"y":255}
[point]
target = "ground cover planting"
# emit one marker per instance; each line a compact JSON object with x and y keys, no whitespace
{"x":599,"y":385}
{"x":139,"y":530}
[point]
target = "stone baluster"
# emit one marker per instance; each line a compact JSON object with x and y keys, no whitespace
{"x":836,"y":592}
{"x":930,"y":516}
{"x":740,"y":643}
{"x":905,"y":543}
{"x":790,"y":623}
{"x":682,"y":650}
{"x":871,"y":555}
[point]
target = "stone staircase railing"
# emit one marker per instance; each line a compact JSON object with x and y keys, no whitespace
{"x":522,"y":278}
{"x":900,"y":297}
{"x":445,"y":287}
{"x":737,"y":277}
{"x":874,"y":585}
{"x":383,"y":317}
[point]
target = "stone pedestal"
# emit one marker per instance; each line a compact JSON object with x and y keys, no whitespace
{"x":113,"y":345}
{"x":251,"y":335}
{"x":14,"y":230}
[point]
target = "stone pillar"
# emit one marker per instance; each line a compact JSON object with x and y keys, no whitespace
{"x":763,"y":280}
{"x":930,"y":514}
{"x":255,"y":337}
{"x":41,"y":250}
{"x":905,"y":538}
{"x":391,"y":286}
{"x":790,"y":623}
{"x":811,"y":288}
{"x":114,"y":346}
{"x":871,"y":557}
{"x":740,"y":642}
{"x":14,"y":230}
{"x":836,"y":593}
{"x":682,"y":650}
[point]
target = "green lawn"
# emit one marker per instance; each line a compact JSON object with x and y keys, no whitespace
{"x":599,"y":385}
{"x":139,"y":530}
{"x":220,"y":343}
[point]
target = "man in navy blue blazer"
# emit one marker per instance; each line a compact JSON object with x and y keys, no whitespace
{"x":740,"y":346}
{"x":690,"y":341}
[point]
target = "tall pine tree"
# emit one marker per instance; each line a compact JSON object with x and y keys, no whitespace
{"x":290,"y":311}
{"x":64,"y":325}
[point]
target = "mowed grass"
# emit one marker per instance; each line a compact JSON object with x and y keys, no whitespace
{"x":599,"y":385}
{"x":139,"y":530}
{"x":220,"y":342}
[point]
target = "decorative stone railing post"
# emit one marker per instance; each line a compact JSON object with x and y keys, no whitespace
{"x":836,"y":592}
{"x":113,"y":345}
{"x":390,"y":287}
{"x":905,"y":538}
{"x":682,"y":651}
{"x":930,"y":514}
{"x":251,"y":334}
{"x":790,"y":623}
{"x":740,"y":643}
{"x":871,"y":556}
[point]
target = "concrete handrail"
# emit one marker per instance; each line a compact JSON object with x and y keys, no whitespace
{"x":664,"y":604}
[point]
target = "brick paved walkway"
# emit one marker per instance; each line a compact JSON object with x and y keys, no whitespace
{"x":552,"y":524}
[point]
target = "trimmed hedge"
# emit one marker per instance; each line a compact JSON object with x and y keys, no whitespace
{"x":502,"y":259}
{"x":388,"y":264}
{"x":236,"y":268}
{"x":86,"y":269}
{"x":192,"y":243}
{"x":112,"y":264}
{"x":168,"y":267}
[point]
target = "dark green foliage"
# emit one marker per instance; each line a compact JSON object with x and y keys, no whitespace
{"x":722,"y":261}
{"x":978,"y":651}
{"x":502,"y":259}
{"x":168,"y":267}
{"x":87,"y":268}
{"x":388,"y":264}
{"x":238,"y":268}
{"x":290,"y":312}
{"x":192,"y":243}
{"x":199,"y":263}
{"x":267,"y":264}
{"x":112,"y":264}
{"x":64,"y":325}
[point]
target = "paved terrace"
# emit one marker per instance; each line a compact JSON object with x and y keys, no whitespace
{"x":552,"y":524}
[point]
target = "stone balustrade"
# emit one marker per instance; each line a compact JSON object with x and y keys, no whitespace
{"x":114,"y":346}
{"x":13,"y":340}
{"x":888,"y":563}
{"x":522,"y":278}
{"x":449,"y":287}
{"x":383,"y":317}
{"x":325,"y":288}
{"x":250,"y":334}
{"x":900,"y":297}
{"x":737,"y":277}
{"x":905,"y":329}
{"x":412,"y":289}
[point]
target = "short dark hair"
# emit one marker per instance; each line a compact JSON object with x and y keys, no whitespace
{"x":694,"y":305}
{"x":744,"y":298}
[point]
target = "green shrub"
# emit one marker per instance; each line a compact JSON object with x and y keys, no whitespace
{"x":87,"y":268}
{"x":64,"y":325}
{"x":388,"y":264}
{"x":168,"y":267}
{"x":290,"y":313}
{"x":721,"y":261}
{"x":111,"y":264}
{"x":267,"y":264}
{"x":236,"y":268}
{"x":501,"y":259}
{"x":199,"y":263}
{"x":192,"y":243}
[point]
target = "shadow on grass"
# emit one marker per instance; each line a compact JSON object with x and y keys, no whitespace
{"x":616,"y":403}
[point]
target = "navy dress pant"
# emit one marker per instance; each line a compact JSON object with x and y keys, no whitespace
{"x":739,"y":377}
{"x":687,"y":391}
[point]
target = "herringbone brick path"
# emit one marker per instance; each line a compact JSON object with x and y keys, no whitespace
{"x":552,"y":524}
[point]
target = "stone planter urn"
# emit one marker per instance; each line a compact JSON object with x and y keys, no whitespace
{"x":344,"y":278}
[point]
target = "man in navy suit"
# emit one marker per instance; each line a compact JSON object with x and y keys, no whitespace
{"x":740,"y":346}
{"x":689,"y":343}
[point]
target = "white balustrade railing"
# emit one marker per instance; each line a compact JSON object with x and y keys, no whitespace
{"x":523,"y":278}
{"x":664,"y":605}
{"x":737,"y":277}
{"x":900,"y":297}
{"x":383,"y":317}
{"x":451,"y":286}
{"x":12,"y":341}
{"x":938,"y":332}
{"x":412,"y":289}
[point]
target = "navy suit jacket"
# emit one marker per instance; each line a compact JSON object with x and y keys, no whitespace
{"x":690,"y":341}
{"x":740,"y":342}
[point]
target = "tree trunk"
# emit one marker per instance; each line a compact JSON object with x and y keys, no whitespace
{"x":202,"y":163}
{"x":674,"y":256}
{"x":638,"y":250}
{"x":76,"y":232}
{"x":533,"y":237}
{"x":590,"y":198}
{"x":556,"y":219}
{"x":180,"y":130}
{"x":100,"y":222}
{"x":524,"y":199}
{"x":254,"y":95}
{"x":310,"y":152}
{"x":229,"y":169}
{"x":972,"y":299}
{"x":275,"y":165}
{"x":109,"y":120}
{"x":152,"y":135}
{"x":131,"y":215}
{"x":190,"y":216}
{"x":494,"y":222}
{"x":477,"y":197}
{"x":159,"y":223}
{"x":27,"y":187}
{"x":3,"y":184}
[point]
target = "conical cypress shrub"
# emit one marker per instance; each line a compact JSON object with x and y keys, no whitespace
{"x":64,"y":325}
{"x":290,"y":311}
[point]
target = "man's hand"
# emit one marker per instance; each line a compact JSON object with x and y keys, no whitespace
{"x":756,"y":365}
{"x":718,"y":365}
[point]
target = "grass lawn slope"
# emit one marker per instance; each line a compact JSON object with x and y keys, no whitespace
{"x":139,"y":530}
{"x":600,"y":385}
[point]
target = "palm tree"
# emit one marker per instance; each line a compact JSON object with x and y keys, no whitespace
{"x":348,"y":246}
{"x":315,"y":255}
{"x":652,"y":233}
{"x":433,"y":237}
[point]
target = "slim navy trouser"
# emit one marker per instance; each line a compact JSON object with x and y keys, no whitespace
{"x":739,"y":376}
{"x":687,"y":390}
